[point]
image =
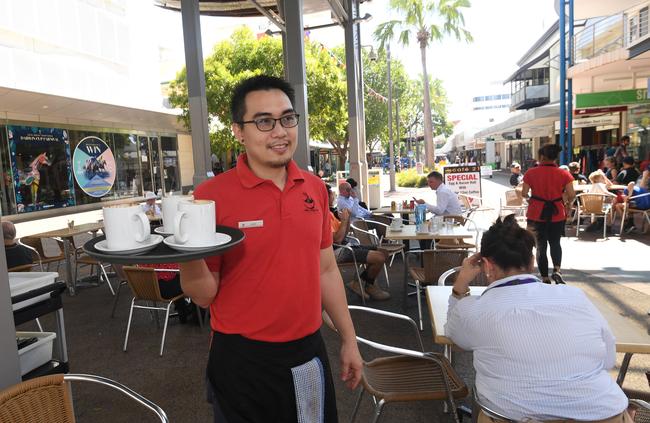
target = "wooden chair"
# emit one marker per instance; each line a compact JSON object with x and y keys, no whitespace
{"x":36,"y":244}
{"x":49,"y":399}
{"x":434,"y":264}
{"x":595,"y":205}
{"x":144,"y":285}
{"x":629,"y":208}
{"x":407,"y":375}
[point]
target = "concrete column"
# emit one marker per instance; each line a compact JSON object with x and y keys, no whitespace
{"x":356,"y":132}
{"x":295,"y":73}
{"x":196,"y":90}
{"x":9,"y":365}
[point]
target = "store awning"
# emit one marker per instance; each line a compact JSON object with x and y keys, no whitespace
{"x":540,"y":116}
{"x":38,"y":107}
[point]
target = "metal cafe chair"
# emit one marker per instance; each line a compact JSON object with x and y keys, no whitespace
{"x":595,"y":205}
{"x":434,"y":264}
{"x":356,"y":266}
{"x":366,"y":237}
{"x":49,"y":399}
{"x":406,"y":375}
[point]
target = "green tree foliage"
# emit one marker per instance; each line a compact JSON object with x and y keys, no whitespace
{"x":242,"y":56}
{"x":425,"y":21}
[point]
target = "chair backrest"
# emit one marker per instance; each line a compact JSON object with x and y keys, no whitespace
{"x":143,"y":282}
{"x":33,"y":243}
{"x":449,"y":277}
{"x":513,"y":198}
{"x":361,"y":232}
{"x":592,"y":202}
{"x":378,"y":226}
{"x":48,"y":399}
{"x":436,"y":262}
{"x":640,"y":410}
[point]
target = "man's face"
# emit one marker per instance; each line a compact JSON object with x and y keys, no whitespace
{"x":626,"y":141}
{"x":332,"y":198}
{"x":345,"y":190}
{"x":272,"y":149}
{"x":151,"y":201}
{"x":516,"y":170}
{"x":433,"y":183}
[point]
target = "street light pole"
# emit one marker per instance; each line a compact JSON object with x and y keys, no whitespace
{"x":391,"y":152}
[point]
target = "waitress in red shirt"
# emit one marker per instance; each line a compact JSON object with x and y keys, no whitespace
{"x":551,"y":194}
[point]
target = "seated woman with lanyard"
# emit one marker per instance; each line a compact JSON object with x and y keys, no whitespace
{"x":552,"y":194}
{"x":541,"y":352}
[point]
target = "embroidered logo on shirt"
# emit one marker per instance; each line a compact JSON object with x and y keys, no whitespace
{"x":310,"y":205}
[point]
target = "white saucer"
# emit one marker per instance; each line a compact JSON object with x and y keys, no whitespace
{"x":151,"y":243}
{"x":396,"y":230}
{"x":219,"y":239}
{"x":161,"y":230}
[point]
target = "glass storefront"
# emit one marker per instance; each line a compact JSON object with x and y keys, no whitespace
{"x":47,"y":167}
{"x":638,"y":122}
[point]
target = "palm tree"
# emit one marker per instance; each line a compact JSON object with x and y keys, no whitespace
{"x":429,"y":20}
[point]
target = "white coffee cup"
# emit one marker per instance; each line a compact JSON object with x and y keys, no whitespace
{"x":195,"y":223}
{"x":169,"y":208}
{"x":126,"y":227}
{"x":396,"y":223}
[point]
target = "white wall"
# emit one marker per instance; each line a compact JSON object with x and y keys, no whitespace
{"x":104,"y":51}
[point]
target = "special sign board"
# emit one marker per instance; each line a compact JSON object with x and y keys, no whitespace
{"x":463,"y":179}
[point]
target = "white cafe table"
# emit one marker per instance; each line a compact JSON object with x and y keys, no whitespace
{"x":630,"y":337}
{"x":408,"y":233}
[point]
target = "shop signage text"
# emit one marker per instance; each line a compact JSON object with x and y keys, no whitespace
{"x":463,"y":179}
{"x":612,"y":98}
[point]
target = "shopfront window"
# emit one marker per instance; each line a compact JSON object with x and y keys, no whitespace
{"x":128,"y":177}
{"x":7,"y":200}
{"x":40,"y":163}
{"x":638,"y":118}
{"x":88,"y":150}
{"x":146,"y":164}
{"x":171,"y":168}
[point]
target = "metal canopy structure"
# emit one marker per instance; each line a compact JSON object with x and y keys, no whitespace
{"x":287,"y":15}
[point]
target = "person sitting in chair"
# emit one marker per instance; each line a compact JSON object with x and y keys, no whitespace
{"x":17,"y":255}
{"x":373,"y":258}
{"x":541,"y":352}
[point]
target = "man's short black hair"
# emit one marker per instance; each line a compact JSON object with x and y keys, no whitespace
{"x":625,"y":138}
{"x":628,"y":160}
{"x":256,"y":83}
{"x":435,"y":175}
{"x":352,"y":182}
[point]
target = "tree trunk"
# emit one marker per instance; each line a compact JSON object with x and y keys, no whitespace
{"x":429,"y":148}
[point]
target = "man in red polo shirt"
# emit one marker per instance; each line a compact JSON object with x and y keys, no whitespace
{"x":267,"y":360}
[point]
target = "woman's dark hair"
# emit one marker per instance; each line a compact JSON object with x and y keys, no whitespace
{"x":507,"y":244}
{"x":550,"y":151}
{"x":256,"y":83}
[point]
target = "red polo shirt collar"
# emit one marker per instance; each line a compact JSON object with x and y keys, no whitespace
{"x":249,"y":180}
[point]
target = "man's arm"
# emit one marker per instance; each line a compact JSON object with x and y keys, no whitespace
{"x":198,"y":282}
{"x":344,"y":228}
{"x":336,"y":306}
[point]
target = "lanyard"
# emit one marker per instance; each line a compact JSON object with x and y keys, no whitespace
{"x":513,"y":282}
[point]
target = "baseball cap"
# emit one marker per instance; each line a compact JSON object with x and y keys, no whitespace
{"x":515,"y":164}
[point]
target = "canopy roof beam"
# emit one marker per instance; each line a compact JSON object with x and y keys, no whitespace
{"x":270,"y":15}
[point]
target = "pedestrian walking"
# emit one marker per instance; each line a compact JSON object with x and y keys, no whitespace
{"x":552,"y":193}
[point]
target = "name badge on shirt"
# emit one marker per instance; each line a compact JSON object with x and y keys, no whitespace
{"x":251,"y":224}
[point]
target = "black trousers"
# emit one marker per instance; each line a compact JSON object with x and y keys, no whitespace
{"x":251,"y":381}
{"x":547,"y":233}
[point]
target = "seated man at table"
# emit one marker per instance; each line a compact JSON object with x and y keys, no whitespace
{"x":348,"y":200}
{"x":373,"y":258}
{"x":628,"y":172}
{"x":150,"y":208}
{"x":447,"y":202}
{"x":17,"y":255}
{"x":574,"y":169}
{"x":541,"y":351}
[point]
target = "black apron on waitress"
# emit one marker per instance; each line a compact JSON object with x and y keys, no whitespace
{"x":264,"y":382}
{"x":550,"y":206}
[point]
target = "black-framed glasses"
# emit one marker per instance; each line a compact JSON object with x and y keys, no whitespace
{"x":267,"y":124}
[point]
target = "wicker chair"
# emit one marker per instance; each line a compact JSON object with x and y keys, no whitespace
{"x":49,"y":399}
{"x":514,"y":203}
{"x":36,"y":244}
{"x":627,"y":208}
{"x":144,"y":285}
{"x":362,"y":232}
{"x":448,"y":278}
{"x":472,"y":204}
{"x":595,"y":205}
{"x":406,"y":376}
{"x":641,"y":410}
{"x":356,"y":267}
{"x":434,"y":264}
